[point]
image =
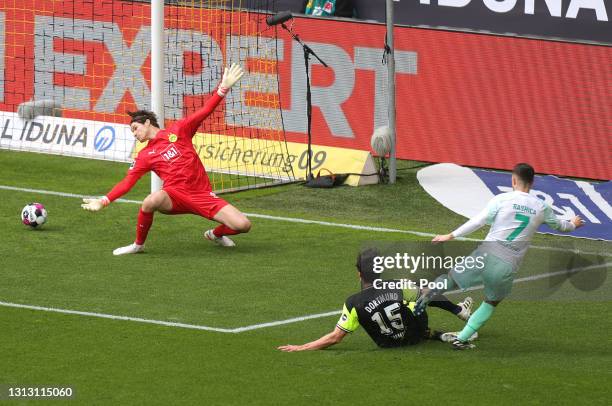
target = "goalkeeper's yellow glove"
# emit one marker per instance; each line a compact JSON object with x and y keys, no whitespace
{"x":230,"y":77}
{"x":95,"y":204}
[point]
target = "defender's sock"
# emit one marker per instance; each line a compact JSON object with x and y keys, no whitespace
{"x":142,"y":228}
{"x":442,"y":302}
{"x":476,"y":321}
{"x":443,"y":280}
{"x":222,"y":230}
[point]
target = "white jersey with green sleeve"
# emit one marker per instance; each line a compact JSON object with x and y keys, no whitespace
{"x":514,"y":217}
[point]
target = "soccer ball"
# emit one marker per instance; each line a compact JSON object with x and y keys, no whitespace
{"x":381,"y":141}
{"x":34,"y":215}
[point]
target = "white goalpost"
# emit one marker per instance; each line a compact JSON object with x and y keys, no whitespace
{"x":157,"y":71}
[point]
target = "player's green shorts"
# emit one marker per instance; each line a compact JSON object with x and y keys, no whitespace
{"x":496,"y":275}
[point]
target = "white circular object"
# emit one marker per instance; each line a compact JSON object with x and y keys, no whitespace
{"x":381,"y":141}
{"x":34,"y":215}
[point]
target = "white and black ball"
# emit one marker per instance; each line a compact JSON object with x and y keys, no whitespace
{"x":34,"y":215}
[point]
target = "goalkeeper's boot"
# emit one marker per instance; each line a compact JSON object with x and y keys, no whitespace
{"x":461,"y":345}
{"x":466,"y":308}
{"x":129,"y":249}
{"x":223,"y":241}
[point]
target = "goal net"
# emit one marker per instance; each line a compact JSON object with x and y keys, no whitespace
{"x":71,"y":69}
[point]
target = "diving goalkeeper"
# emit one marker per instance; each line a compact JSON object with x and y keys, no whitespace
{"x":186,"y":188}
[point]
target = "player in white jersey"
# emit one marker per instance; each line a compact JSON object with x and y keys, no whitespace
{"x":514,"y":217}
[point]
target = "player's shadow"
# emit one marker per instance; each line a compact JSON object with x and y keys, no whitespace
{"x":49,"y":229}
{"x":202,"y":249}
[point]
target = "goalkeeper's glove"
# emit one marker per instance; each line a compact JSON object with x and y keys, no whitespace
{"x":95,"y":204}
{"x":230,"y":77}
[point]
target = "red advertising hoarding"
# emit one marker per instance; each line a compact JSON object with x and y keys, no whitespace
{"x":478,"y":100}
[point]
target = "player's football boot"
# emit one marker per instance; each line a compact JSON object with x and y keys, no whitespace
{"x":452,"y":336}
{"x":129,"y":249}
{"x":223,"y":241}
{"x":466,"y":308}
{"x":460,"y":345}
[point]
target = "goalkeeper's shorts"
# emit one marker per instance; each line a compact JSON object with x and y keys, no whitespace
{"x":205,"y":203}
{"x":497,"y":276}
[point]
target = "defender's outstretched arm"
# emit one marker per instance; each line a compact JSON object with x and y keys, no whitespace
{"x":326,"y":341}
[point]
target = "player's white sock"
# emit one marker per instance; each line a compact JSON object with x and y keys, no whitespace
{"x":129,"y":249}
{"x":223,"y":241}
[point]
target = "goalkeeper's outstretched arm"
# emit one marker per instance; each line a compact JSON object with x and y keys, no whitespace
{"x":230,"y":77}
{"x":121,"y":188}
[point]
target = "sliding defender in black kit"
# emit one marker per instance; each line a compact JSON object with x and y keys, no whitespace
{"x":385,"y":314}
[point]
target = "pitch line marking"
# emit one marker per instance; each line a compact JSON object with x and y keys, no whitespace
{"x":286,"y":321}
{"x":519,"y":280}
{"x":263,"y":216}
{"x":299,"y":220}
{"x":268,"y":324}
{"x":115,"y":317}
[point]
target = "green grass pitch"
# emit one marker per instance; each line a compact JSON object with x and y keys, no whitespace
{"x":556,"y":351}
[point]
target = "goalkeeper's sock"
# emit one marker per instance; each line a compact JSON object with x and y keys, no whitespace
{"x":476,"y":321}
{"x":144,"y":224}
{"x":222,"y":230}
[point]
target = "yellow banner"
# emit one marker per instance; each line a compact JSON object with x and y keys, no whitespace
{"x":269,"y":158}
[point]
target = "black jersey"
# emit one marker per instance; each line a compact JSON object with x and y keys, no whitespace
{"x":385,"y":315}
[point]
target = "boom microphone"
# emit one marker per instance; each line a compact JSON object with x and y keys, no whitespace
{"x":279,"y":18}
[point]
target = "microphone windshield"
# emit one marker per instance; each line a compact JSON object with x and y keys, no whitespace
{"x":279,"y":18}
